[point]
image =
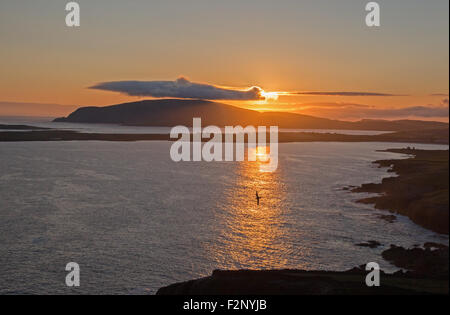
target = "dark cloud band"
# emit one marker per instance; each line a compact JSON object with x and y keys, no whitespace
{"x":346,"y":94}
{"x":181,"y":88}
{"x":350,"y":111}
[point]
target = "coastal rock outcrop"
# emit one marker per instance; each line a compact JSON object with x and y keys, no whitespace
{"x":300,"y":282}
{"x":420,"y":191}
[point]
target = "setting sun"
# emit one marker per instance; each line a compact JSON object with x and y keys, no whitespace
{"x":269,"y":95}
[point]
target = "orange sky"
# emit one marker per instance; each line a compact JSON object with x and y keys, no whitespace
{"x":284,"y":46}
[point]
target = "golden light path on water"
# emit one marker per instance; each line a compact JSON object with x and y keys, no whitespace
{"x":253,"y":236}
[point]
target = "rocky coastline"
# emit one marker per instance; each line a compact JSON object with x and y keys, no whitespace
{"x":420,"y":191}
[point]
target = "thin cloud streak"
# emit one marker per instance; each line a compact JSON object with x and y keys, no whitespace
{"x":355,"y":111}
{"x":345,"y":94}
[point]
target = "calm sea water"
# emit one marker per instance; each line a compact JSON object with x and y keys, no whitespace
{"x":135,"y":221}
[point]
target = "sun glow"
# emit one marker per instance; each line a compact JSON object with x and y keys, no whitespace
{"x":269,"y":95}
{"x":262,"y":154}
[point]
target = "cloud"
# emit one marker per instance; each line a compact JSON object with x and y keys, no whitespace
{"x":346,"y":94}
{"x":355,"y":111}
{"x":417,"y":111}
{"x":438,"y":94}
{"x":181,"y":88}
{"x":335,"y":105}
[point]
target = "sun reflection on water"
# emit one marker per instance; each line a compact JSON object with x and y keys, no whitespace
{"x":252,"y":235}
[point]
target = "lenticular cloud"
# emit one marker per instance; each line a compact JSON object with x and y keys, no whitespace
{"x":180,"y":88}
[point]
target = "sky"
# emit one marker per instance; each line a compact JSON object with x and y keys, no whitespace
{"x":312,"y":57}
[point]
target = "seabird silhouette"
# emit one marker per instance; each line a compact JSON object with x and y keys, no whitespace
{"x":257,"y":198}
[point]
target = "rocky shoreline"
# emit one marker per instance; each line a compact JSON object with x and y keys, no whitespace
{"x":429,"y":275}
{"x":420,"y":191}
{"x":430,"y":262}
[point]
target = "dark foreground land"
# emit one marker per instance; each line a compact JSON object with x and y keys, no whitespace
{"x":427,"y":273}
{"x":301,"y":282}
{"x":29,"y":133}
{"x":20,"y":127}
{"x":420,"y":191}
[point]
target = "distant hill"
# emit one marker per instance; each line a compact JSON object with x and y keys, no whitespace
{"x":35,"y":109}
{"x":172,"y":112}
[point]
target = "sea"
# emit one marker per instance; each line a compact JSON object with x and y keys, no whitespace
{"x":134,"y":220}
